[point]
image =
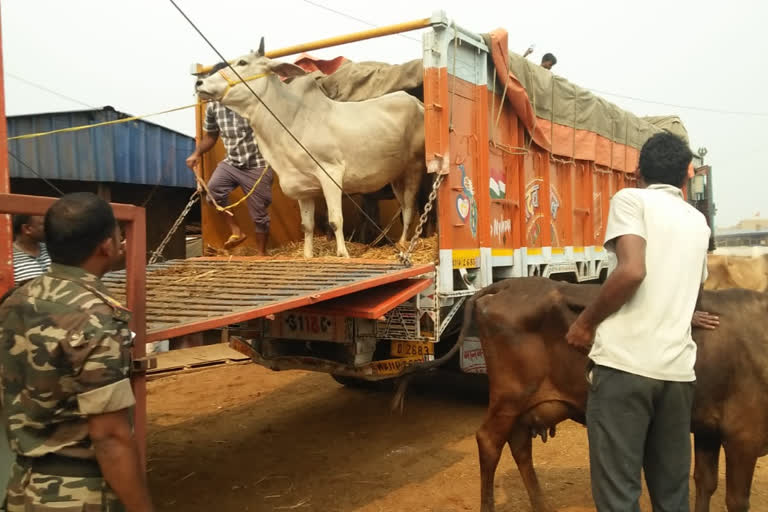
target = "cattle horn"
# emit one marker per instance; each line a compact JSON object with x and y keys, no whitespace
{"x":260,"y":53}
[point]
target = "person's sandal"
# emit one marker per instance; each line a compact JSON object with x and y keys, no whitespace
{"x":234,"y":241}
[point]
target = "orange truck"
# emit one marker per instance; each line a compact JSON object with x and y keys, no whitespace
{"x":523,"y":164}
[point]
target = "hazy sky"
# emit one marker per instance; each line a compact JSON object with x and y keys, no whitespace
{"x":136,"y":56}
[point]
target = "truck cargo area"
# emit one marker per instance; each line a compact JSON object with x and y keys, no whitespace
{"x":187,"y":296}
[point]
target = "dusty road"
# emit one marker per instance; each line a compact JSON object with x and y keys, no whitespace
{"x":243,"y":438}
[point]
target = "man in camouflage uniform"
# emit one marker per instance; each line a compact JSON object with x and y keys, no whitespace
{"x":64,"y":366}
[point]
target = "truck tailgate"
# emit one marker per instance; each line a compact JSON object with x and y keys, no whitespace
{"x":193,"y":295}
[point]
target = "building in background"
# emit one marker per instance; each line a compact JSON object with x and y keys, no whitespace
{"x":747,"y":233}
{"x":136,"y":162}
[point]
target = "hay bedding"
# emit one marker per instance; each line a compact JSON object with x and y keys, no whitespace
{"x":166,"y":285}
{"x":192,"y":279}
{"x":426,"y":250}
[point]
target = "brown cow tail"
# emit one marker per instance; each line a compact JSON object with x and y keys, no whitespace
{"x":398,"y":401}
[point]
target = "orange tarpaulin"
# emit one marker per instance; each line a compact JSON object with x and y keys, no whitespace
{"x":560,"y":139}
{"x":309,"y":64}
{"x":617,"y":148}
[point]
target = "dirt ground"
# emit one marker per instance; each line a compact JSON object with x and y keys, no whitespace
{"x":244,"y":438}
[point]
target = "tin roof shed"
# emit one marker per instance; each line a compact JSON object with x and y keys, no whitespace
{"x":136,"y":152}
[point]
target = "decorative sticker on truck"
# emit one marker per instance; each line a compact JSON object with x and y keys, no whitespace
{"x":469,"y":194}
{"x":500,"y":228}
{"x":497,"y":184}
{"x":533,"y":216}
{"x":597,"y":214}
{"x":531,"y":199}
{"x":472,"y":359}
{"x":462,"y":206}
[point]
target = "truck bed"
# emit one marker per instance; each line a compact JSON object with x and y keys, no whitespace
{"x":194,"y":295}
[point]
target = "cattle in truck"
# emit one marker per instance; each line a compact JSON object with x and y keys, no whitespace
{"x":348,"y":147}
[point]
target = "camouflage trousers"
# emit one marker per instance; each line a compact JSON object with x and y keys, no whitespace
{"x":35,"y":492}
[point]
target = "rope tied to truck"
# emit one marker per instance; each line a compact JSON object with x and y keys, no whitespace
{"x":192,"y":200}
{"x":243,"y":81}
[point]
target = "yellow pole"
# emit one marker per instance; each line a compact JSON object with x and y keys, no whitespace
{"x":348,"y":38}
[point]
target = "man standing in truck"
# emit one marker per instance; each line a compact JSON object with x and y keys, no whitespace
{"x":243,"y":166}
{"x":548,"y":60}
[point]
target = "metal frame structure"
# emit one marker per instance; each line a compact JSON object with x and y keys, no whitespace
{"x":134,"y":220}
{"x":354,"y":37}
{"x":135,"y":234}
{"x":135,"y":231}
{"x":6,"y":236}
{"x":246,"y":288}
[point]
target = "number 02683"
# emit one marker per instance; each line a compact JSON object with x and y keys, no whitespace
{"x":412,"y":348}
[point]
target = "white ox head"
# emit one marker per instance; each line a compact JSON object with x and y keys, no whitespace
{"x":222,"y":84}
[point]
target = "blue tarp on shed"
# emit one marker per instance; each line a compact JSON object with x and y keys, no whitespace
{"x":134,"y":152}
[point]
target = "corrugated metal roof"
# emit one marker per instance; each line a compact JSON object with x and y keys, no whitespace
{"x":135,"y":152}
{"x":723,"y":233}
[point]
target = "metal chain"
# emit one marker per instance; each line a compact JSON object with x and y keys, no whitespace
{"x":405,"y":257}
{"x":159,"y":251}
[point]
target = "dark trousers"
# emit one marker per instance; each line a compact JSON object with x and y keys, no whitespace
{"x":636,"y":423}
{"x":226,"y":178}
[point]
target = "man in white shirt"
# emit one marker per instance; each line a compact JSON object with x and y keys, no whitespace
{"x":642,"y":377}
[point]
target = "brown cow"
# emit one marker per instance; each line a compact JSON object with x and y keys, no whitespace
{"x":536,"y":381}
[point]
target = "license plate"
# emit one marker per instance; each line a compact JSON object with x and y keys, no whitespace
{"x":393,"y":366}
{"x":308,"y":327}
{"x":412,"y":349}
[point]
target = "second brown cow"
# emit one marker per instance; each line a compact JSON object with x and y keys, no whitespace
{"x":537,"y":380}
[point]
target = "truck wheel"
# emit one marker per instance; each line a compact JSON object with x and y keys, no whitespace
{"x":358,"y":383}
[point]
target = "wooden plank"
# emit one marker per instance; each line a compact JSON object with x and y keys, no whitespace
{"x":195,"y":356}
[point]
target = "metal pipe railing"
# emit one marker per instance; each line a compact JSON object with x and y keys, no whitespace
{"x":388,"y":30}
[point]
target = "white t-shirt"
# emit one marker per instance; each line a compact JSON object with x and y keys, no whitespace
{"x":651,"y":334}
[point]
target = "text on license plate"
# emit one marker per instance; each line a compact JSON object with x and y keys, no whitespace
{"x":412,"y":348}
{"x":392,"y":366}
{"x":306,"y":326}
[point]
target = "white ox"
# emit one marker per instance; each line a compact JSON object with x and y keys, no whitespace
{"x":363,"y":145}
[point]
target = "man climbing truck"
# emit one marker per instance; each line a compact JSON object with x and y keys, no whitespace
{"x":243,"y":167}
